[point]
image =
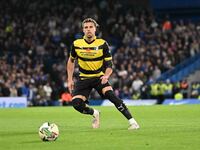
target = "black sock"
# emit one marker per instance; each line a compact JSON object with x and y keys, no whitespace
{"x":118,"y":104}
{"x":80,"y":106}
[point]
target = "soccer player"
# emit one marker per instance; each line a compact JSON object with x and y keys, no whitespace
{"x":95,"y":67}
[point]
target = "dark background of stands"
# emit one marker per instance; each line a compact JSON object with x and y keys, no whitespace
{"x":35,"y":39}
{"x":177,"y":9}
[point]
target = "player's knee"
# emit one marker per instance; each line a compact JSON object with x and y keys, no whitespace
{"x":109,"y":94}
{"x":107,"y":88}
{"x":113,"y":98}
{"x":78,"y":104}
{"x":76,"y":101}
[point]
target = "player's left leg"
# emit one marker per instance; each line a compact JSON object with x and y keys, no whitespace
{"x":109,"y":94}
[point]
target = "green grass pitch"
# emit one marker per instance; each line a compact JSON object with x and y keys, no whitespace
{"x":162,"y":128}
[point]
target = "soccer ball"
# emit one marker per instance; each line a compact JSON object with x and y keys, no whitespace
{"x":48,"y":131}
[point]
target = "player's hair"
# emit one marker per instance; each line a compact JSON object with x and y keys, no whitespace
{"x":90,"y":20}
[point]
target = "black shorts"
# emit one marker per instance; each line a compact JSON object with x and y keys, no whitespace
{"x":84,"y":87}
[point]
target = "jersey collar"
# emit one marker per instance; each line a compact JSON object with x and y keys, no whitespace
{"x":91,"y":41}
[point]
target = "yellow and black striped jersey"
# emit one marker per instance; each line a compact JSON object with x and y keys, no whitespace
{"x":91,"y":56}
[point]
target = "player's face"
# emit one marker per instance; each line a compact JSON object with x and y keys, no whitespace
{"x":89,"y":29}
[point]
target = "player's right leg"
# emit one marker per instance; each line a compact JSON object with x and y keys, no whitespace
{"x":78,"y":102}
{"x":80,"y":96}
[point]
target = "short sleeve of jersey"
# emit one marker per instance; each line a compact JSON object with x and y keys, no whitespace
{"x":73,"y":52}
{"x":106,"y":52}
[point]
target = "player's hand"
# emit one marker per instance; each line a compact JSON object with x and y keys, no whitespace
{"x":104,"y":79}
{"x":70,"y":84}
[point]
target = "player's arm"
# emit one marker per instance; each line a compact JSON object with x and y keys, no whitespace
{"x":105,"y":77}
{"x":108,"y":64}
{"x":70,"y":69}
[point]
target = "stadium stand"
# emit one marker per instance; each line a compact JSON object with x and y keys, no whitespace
{"x":35,"y":38}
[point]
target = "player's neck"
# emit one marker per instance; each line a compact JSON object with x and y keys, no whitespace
{"x":90,"y":39}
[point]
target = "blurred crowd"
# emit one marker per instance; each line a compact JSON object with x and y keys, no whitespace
{"x":35,"y":39}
